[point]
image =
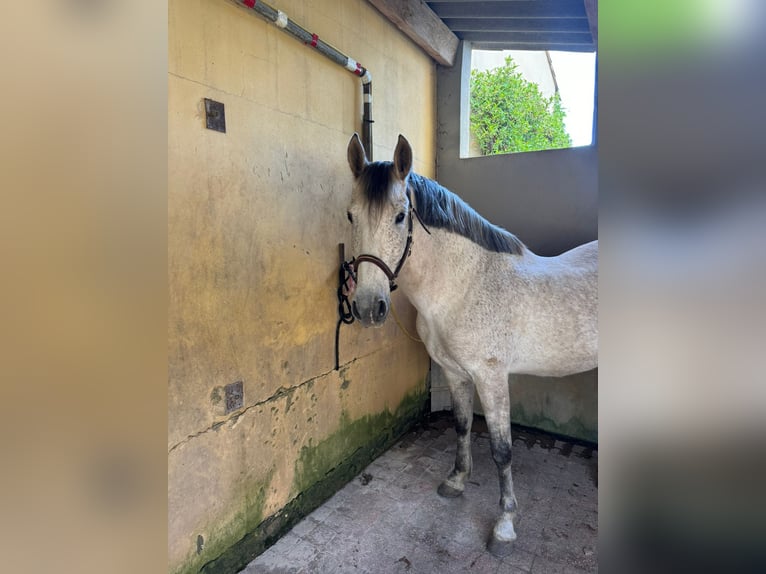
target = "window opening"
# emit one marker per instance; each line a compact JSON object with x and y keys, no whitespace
{"x":523,"y":100}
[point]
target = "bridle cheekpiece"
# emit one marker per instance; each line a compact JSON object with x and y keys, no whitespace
{"x":352,"y":266}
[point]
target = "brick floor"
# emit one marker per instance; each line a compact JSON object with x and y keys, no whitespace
{"x":389,"y":519}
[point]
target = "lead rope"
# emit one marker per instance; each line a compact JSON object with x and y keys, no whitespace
{"x":401,"y":326}
{"x":345,"y":316}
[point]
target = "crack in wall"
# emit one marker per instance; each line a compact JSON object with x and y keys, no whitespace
{"x":280,"y":393}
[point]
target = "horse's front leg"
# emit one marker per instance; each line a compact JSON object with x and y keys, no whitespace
{"x":494,"y":395}
{"x":462,"y":408}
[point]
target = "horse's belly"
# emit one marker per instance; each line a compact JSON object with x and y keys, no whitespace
{"x":555,"y":369}
{"x":555,"y":359}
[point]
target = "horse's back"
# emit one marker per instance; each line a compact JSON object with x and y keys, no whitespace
{"x":583,"y":256}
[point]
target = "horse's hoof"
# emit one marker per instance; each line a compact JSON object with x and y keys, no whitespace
{"x":448,"y":491}
{"x":500,"y":548}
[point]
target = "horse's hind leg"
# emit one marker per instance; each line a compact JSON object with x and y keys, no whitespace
{"x":462,"y":405}
{"x":495,"y":399}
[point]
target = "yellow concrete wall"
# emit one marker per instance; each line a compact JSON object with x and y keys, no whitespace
{"x":254,"y":219}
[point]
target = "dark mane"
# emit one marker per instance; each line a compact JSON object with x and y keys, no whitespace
{"x":440,"y":208}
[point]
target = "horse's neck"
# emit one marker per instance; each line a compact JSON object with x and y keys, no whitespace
{"x":441,"y":268}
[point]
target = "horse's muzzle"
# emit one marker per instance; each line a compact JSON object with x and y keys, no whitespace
{"x":371,"y":312}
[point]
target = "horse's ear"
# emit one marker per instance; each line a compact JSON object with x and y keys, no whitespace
{"x":356,"y":156}
{"x":402,"y":158}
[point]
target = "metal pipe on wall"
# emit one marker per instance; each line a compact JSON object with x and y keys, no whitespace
{"x":281,"y":20}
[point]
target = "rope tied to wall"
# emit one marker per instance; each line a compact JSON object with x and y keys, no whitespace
{"x":345,"y":316}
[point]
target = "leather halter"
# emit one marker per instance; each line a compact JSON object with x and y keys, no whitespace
{"x":353,"y":265}
{"x":348,"y":269}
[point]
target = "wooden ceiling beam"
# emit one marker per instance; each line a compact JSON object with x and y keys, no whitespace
{"x":519,"y":9}
{"x":422,"y":26}
{"x":517,"y":25}
{"x":563,"y":47}
{"x":530,"y":37}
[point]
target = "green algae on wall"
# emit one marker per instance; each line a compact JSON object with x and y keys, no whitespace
{"x":320,"y":471}
{"x":572,"y":427}
{"x":355,"y":443}
{"x":243,"y":521}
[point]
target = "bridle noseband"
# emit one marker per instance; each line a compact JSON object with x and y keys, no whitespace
{"x":352,"y":266}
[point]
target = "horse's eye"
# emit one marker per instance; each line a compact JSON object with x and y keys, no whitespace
{"x":400,"y":217}
{"x":350,"y":218}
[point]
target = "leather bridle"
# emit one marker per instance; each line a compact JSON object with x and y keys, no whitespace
{"x":348,"y":270}
{"x":352,"y":266}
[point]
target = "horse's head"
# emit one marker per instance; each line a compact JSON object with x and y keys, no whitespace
{"x":382,"y":222}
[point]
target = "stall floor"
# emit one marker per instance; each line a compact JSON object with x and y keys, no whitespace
{"x":390,"y":519}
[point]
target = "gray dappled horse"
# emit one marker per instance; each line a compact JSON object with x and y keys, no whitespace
{"x":487,"y":306}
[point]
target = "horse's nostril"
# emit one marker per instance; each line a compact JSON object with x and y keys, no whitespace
{"x":355,"y":310}
{"x":382,"y":310}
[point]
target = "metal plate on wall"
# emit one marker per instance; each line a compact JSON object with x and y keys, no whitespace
{"x":215,"y":117}
{"x":234,"y":396}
